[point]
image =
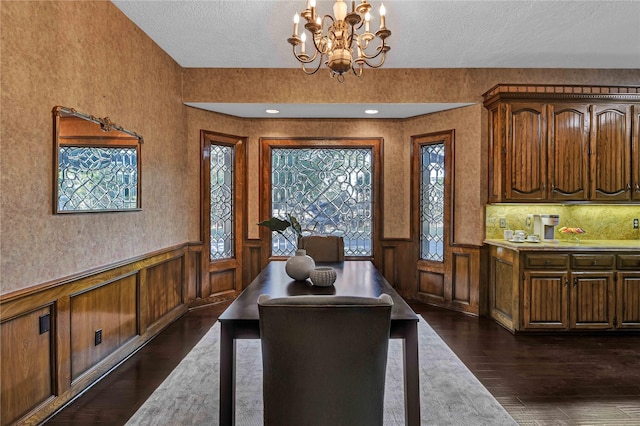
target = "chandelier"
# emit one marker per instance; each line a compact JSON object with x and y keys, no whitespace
{"x":334,"y":39}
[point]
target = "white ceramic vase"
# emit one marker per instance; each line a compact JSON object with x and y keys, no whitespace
{"x":299,"y":266}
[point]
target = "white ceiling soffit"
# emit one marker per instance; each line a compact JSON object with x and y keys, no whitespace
{"x":425,"y":34}
{"x":325,"y":110}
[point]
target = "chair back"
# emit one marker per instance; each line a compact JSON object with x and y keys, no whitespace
{"x":324,"y":359}
{"x":323,"y":248}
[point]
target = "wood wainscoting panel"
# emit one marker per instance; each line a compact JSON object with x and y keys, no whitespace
{"x":130,"y":301}
{"x":111,"y":310}
{"x":165,"y":284}
{"x":431,"y":286}
{"x":222,"y":281}
{"x":26,"y":378}
{"x":397,"y":258}
{"x":461,"y":278}
{"x":251,"y":264}
{"x":194,"y":271}
{"x":469,"y":277}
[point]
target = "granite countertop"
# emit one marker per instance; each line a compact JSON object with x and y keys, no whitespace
{"x":584,"y":245}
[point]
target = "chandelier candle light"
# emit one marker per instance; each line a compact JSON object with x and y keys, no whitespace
{"x":335,"y":38}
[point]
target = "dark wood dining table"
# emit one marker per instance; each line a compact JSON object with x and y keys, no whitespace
{"x":354,"y":278}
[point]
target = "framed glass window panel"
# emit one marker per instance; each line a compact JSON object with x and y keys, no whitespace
{"x":432,"y":201}
{"x":97,"y":164}
{"x":221,"y":212}
{"x":329,"y":191}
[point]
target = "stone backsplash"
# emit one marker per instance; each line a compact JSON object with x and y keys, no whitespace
{"x":601,"y":222}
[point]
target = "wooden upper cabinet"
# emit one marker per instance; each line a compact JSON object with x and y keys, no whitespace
{"x":526,"y":152}
{"x":496,"y":153}
{"x":568,"y":129}
{"x":611,"y":152}
{"x":563,"y":143}
{"x":635,"y":154}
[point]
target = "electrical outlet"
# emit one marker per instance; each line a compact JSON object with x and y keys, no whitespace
{"x":98,"y":338}
{"x":45,"y":323}
{"x":503,"y":222}
{"x":635,"y":223}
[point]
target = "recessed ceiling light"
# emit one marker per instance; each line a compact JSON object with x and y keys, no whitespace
{"x":272,"y":111}
{"x":370,"y":111}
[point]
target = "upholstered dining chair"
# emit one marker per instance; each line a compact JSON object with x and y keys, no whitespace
{"x":323,"y":248}
{"x":324,"y":359}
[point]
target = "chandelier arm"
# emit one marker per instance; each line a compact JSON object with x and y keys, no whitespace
{"x":375,"y":66}
{"x":308,"y":60}
{"x":359,"y":72}
{"x":311,"y":72}
{"x":351,"y":37}
{"x":380,"y":50}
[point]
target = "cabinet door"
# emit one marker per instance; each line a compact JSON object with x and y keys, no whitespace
{"x":496,"y":153}
{"x":545,"y":300}
{"x":526,"y":153}
{"x":610,"y":152}
{"x":628,"y":300}
{"x":592,"y":300}
{"x":635,"y":154}
{"x":568,"y":130}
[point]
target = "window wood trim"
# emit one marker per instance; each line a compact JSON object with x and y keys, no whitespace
{"x":446,"y":137}
{"x":207,"y":138}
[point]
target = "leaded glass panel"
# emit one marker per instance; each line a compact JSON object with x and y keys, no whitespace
{"x":432,"y":173}
{"x":97,"y":178}
{"x":329,"y":191}
{"x":221,"y":193}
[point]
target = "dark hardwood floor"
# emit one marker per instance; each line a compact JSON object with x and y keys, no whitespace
{"x":539,"y":379}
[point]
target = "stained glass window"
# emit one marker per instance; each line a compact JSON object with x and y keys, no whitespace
{"x":432,"y":175}
{"x":221,"y":193}
{"x":329,"y":191}
{"x":97,"y":178}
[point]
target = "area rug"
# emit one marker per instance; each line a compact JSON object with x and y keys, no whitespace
{"x":449,"y":393}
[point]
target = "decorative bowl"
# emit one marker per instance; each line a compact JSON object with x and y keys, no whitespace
{"x":323,"y":276}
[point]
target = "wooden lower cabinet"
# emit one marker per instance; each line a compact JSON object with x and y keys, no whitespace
{"x":628,"y":300}
{"x":545,"y":296}
{"x":551,"y":291}
{"x":592,"y":300}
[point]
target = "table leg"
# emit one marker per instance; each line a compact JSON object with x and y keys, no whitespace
{"x":411,"y":375}
{"x":227,"y":375}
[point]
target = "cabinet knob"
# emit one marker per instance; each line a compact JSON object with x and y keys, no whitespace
{"x":547,"y":262}
{"x":575,"y":282}
{"x":637,"y":187}
{"x":595,"y":262}
{"x":628,"y":187}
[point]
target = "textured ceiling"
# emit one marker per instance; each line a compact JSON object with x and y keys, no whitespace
{"x":425,"y":34}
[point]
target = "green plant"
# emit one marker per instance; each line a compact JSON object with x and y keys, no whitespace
{"x":275,"y":224}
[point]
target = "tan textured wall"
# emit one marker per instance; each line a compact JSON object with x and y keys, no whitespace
{"x":380,"y":85}
{"x":88,"y":56}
